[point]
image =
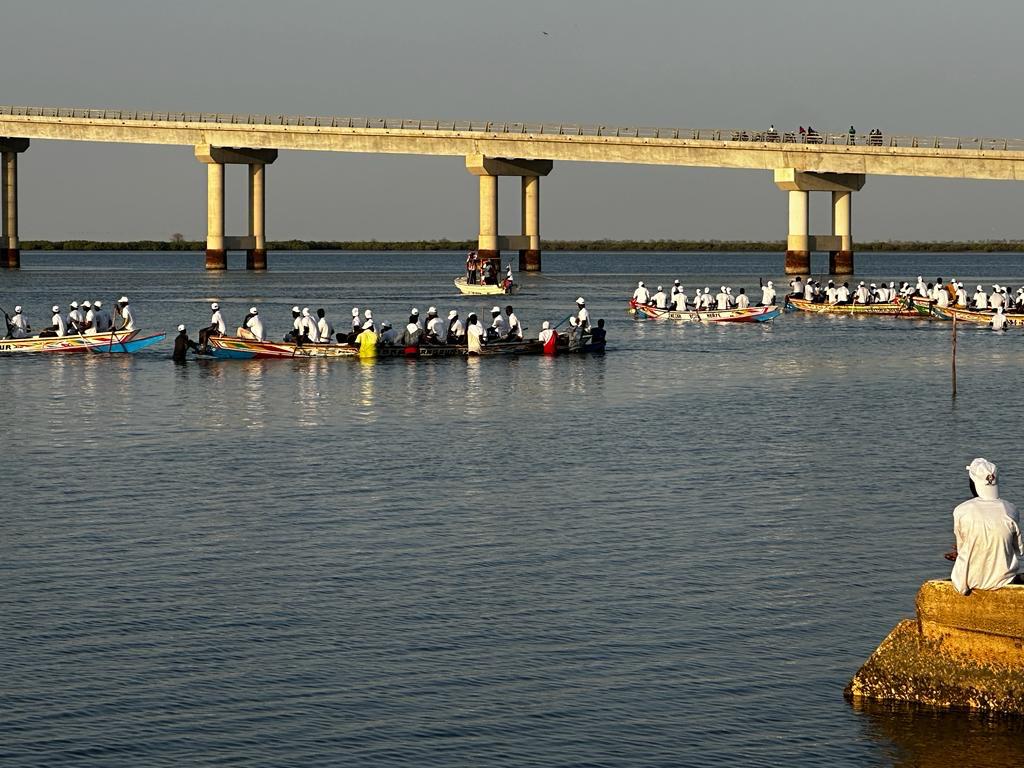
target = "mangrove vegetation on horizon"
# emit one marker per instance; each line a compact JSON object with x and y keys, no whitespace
{"x":178,"y":243}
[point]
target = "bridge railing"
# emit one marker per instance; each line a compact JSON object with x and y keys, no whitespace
{"x":560,"y":129}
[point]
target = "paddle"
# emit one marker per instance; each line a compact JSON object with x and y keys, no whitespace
{"x":7,"y":319}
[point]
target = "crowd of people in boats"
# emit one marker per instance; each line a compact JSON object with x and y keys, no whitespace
{"x":487,"y":271}
{"x":942,"y":293}
{"x":676,"y":299}
{"x":363,"y":330}
{"x":85,"y":319}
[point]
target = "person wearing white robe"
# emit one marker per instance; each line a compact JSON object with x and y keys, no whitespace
{"x":706,"y":299}
{"x":860,"y":296}
{"x":437,"y":330}
{"x":809,"y":290}
{"x":943,"y":299}
{"x":126,"y":318}
{"x":499,"y":324}
{"x":456,"y":328}
{"x":582,"y":315}
{"x":980,"y":299}
{"x":546,"y":332}
{"x":324,"y":326}
{"x":843,"y":294}
{"x":796,"y":287}
{"x":679,"y":300}
{"x":56,"y":326}
{"x":309,"y":327}
{"x":742,"y":302}
{"x":74,"y":319}
{"x":88,"y":318}
{"x":998,"y":321}
{"x":768,"y":294}
{"x":831,"y":293}
{"x":698,"y":299}
{"x":995,"y":301}
{"x":255,"y":325}
{"x":722,"y":299}
{"x":660,"y":299}
{"x":961,"y":295}
{"x":357,"y":324}
{"x":474,"y":335}
{"x":515,"y":328}
{"x":18,"y":326}
{"x":988,"y":536}
{"x":641,"y":295}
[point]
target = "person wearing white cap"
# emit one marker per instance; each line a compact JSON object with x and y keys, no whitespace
{"x":860,"y":296}
{"x":722,"y":298}
{"x":679,"y":300}
{"x":74,"y":318}
{"x":582,"y":315}
{"x":574,"y":333}
{"x":456,"y":329}
{"x":995,"y":301}
{"x":499,"y":326}
{"x":293,"y":335}
{"x":641,"y":295}
{"x":546,"y":332}
{"x":388,"y":335}
{"x":474,"y":334}
{"x":413,"y":332}
{"x":415,"y":314}
{"x":309,"y":331}
{"x":660,"y":298}
{"x":961,"y":296}
{"x":515,"y":328}
{"x":101,"y":318}
{"x":17,"y":326}
{"x":676,"y":288}
{"x":217,"y":327}
{"x":988,"y":538}
{"x":980,"y":299}
{"x":796,"y":287}
{"x":88,"y":317}
{"x":768,"y":294}
{"x":357,"y":325}
{"x":367,"y":340}
{"x":706,"y":299}
{"x":253,"y":325}
{"x":182,"y":344}
{"x":436,"y":330}
{"x":942,"y":298}
{"x":56,"y":326}
{"x":125,"y":318}
{"x":324,"y":327}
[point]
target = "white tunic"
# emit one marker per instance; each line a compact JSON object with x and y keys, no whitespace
{"x":218,"y":319}
{"x":473,"y":335}
{"x":127,"y":319}
{"x":583,"y":318}
{"x":767,"y":295}
{"x":742,"y":302}
{"x":90,"y":321}
{"x":19,"y":326}
{"x":998,"y":322}
{"x":809,"y":292}
{"x":325,"y":329}
{"x":514,"y":328}
{"x":438,"y":327}
{"x":255,"y":327}
{"x":988,"y":544}
{"x":660,"y":300}
{"x":680,"y":302}
{"x":500,"y":325}
{"x":309,"y":327}
{"x":58,"y":320}
{"x":980,"y":300}
{"x":722,"y":300}
{"x":642,"y":296}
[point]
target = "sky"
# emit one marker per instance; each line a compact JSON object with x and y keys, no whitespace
{"x":933,"y":68}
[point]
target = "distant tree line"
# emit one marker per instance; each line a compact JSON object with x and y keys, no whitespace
{"x":178,"y":243}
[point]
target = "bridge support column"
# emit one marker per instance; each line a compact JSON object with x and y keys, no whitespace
{"x":216,"y":255}
{"x":529,"y":259}
{"x":256,"y":257}
{"x":840,"y":262}
{"x":10,"y":248}
{"x":217,"y":244}
{"x":487,"y":240}
{"x":798,"y":254}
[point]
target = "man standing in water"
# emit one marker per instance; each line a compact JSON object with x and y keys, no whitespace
{"x":182,"y":344}
{"x":988,"y":538}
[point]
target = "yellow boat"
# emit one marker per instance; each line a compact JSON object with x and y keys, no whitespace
{"x":471,"y":289}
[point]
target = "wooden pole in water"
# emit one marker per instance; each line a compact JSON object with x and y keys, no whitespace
{"x":954,"y":354}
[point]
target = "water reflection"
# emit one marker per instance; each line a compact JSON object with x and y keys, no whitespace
{"x":926,"y":738}
{"x":309,"y":373}
{"x":254,"y":397}
{"x":367,"y":371}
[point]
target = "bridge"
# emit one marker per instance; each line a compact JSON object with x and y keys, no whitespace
{"x":838,"y":163}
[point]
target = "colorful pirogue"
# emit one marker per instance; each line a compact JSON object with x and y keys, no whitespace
{"x":234,"y":348}
{"x":127,"y":342}
{"x":899,"y":308}
{"x":748,"y":315}
{"x":964,"y":315}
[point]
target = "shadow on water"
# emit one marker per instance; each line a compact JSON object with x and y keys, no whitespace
{"x":931,"y":738}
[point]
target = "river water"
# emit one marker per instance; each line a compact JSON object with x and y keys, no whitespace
{"x":675,"y":554}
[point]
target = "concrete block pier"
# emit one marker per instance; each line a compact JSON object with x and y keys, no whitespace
{"x":962,"y":652}
{"x":255,"y":243}
{"x":489,"y":243}
{"x":799,"y":242}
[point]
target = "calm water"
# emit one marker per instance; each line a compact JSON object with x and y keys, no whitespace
{"x":677,"y":554}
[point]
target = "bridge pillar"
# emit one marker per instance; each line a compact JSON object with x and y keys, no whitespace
{"x":217,"y":244}
{"x":840,"y":262}
{"x":487,"y":240}
{"x":256,"y":257}
{"x":798,"y":254}
{"x":529,"y":259}
{"x":216,"y":256}
{"x":800,"y":242}
{"x":10,"y":248}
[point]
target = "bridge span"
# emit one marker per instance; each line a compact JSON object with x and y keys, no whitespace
{"x":838,"y":163}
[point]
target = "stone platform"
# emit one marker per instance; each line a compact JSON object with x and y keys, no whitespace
{"x":960,"y":652}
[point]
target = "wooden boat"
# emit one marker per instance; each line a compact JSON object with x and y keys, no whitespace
{"x":472,"y":289}
{"x":235,"y":348}
{"x":748,"y":315}
{"x":886,"y":308}
{"x":975,"y":316}
{"x":127,"y":342}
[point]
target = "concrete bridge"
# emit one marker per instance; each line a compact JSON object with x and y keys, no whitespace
{"x":816,"y":162}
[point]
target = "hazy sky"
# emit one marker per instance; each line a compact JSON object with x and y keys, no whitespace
{"x":937,"y":67}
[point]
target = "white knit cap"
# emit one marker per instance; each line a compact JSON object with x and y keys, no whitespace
{"x":983,"y":472}
{"x":215,"y":305}
{"x":181,"y":327}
